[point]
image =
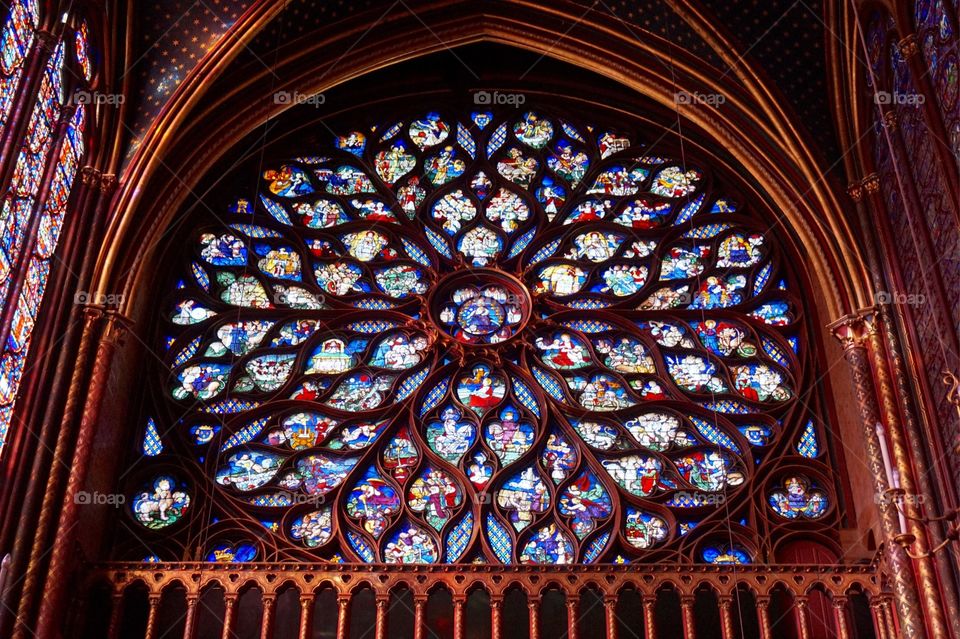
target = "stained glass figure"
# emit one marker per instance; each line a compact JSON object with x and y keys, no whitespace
{"x":519,"y":341}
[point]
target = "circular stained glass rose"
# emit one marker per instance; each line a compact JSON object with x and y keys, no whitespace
{"x":499,"y":337}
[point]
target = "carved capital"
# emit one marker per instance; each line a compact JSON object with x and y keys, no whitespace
{"x":854,"y":330}
{"x":890,"y":120}
{"x":90,"y":176}
{"x":871,"y":183}
{"x":908,"y":46}
{"x":855,"y":191}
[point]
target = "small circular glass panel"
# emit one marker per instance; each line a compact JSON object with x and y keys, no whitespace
{"x":480,"y":306}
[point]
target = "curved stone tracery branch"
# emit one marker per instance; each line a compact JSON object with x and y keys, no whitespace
{"x":508,"y":339}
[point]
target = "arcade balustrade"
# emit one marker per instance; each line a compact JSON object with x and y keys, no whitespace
{"x":345,"y":601}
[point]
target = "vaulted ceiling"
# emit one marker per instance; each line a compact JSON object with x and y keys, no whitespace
{"x":785,"y":38}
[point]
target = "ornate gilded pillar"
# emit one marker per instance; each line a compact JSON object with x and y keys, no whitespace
{"x":153,"y":607}
{"x":928,"y":581}
{"x":802,"y":615}
{"x":459,"y":606}
{"x":610,"y":615}
{"x":726,"y":616}
{"x":190,"y":620}
{"x":899,"y":387}
{"x":853,"y":333}
{"x":420,"y":616}
{"x":269,"y":603}
{"x":879,"y":622}
{"x":533,"y":606}
{"x":496,"y":616}
{"x":686,"y":611}
{"x":116,"y":615}
{"x":383,"y":604}
{"x":573,"y":616}
{"x":840,"y":617}
{"x":763,"y":616}
{"x":306,"y":615}
{"x":114,"y":329}
{"x":649,"y":616}
{"x":343,"y":616}
{"x":229,"y":615}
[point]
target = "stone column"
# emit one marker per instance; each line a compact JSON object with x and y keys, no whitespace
{"x":610,"y":614}
{"x":763,"y":616}
{"x":306,"y":615}
{"x":726,"y":616}
{"x":649,"y":616}
{"x":853,"y":333}
{"x":229,"y":615}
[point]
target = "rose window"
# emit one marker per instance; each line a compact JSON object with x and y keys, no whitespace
{"x":501,"y":338}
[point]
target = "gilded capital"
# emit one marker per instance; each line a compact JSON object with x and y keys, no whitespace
{"x":871,"y":183}
{"x":908,"y":46}
{"x":854,"y":330}
{"x":855,"y":191}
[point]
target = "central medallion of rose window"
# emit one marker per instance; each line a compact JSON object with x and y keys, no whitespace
{"x":480,"y":306}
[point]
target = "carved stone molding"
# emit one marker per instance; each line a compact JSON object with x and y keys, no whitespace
{"x":908,"y":46}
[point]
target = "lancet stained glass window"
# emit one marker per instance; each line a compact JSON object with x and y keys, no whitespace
{"x":499,"y":337}
{"x":16,"y":38}
{"x":22,"y":210}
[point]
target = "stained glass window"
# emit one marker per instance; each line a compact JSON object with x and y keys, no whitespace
{"x":17,"y":36}
{"x":21,"y":210}
{"x":558,"y":349}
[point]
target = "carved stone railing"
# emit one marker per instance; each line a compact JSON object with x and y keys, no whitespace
{"x":807,"y":597}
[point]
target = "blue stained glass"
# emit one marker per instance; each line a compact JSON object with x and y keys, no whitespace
{"x":725,"y":554}
{"x":360,"y":546}
{"x":571,"y":131}
{"x":706,"y":231}
{"x":589,"y":326}
{"x":374,"y":304}
{"x":809,"y":445}
{"x":727,"y":406}
{"x":689,"y":209}
{"x":411,"y":383}
{"x":254,"y":231}
{"x":481,"y":118}
{"x":525,"y":396}
{"x":188,"y":351}
{"x":465,"y":140}
{"x":497,"y":139}
{"x":762,"y":277}
{"x":437,"y":242}
{"x":522,"y":242}
{"x":546,"y":251}
{"x":245,"y":434}
{"x":434,"y":396}
{"x":152,"y":445}
{"x":499,"y":540}
{"x":391,"y":132}
{"x":372,"y":326}
{"x":714,"y":434}
{"x":595,"y":547}
{"x":774,"y":351}
{"x":201,"y":276}
{"x":459,"y":537}
{"x":794,"y":342}
{"x":228,"y":406}
{"x":276,"y":210}
{"x":549,"y":384}
{"x":414,"y":252}
{"x":588,"y":303}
